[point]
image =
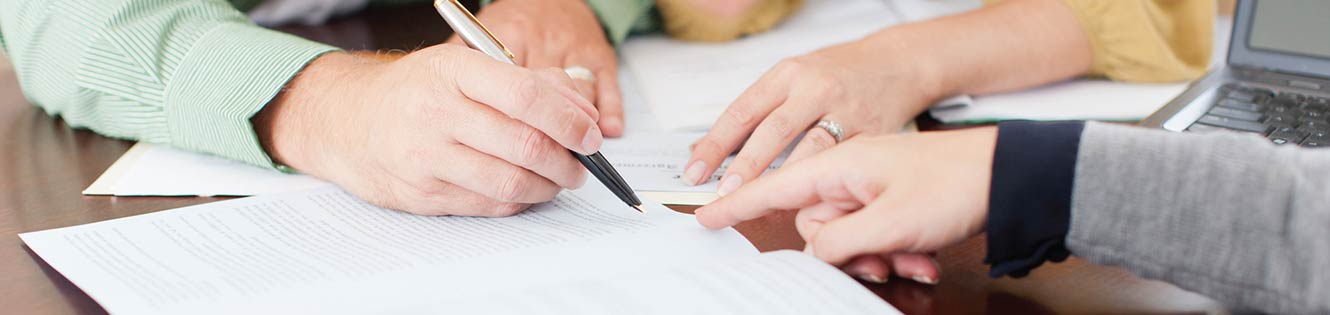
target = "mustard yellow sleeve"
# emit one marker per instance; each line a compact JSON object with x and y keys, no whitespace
{"x":687,"y":21}
{"x":1148,"y":40}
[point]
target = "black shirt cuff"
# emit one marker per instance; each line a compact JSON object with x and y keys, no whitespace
{"x":1029,"y":202}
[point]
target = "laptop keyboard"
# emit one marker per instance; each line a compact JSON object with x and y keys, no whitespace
{"x":1284,"y":117}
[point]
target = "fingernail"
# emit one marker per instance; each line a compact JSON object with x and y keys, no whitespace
{"x":872,"y":278}
{"x":924,"y":279}
{"x":693,"y":175}
{"x":591,"y":141}
{"x":613,"y":123}
{"x":729,"y":184}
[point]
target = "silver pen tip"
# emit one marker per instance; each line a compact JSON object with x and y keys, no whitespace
{"x":639,"y":208}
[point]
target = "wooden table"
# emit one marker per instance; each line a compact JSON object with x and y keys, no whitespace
{"x":44,"y":165}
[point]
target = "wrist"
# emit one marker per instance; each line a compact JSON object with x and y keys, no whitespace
{"x":902,"y":52}
{"x":296,"y":127}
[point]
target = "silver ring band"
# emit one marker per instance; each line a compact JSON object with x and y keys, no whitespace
{"x":832,"y":128}
{"x":580,"y":73}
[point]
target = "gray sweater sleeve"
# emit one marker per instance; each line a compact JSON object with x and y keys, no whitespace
{"x":1230,"y":216}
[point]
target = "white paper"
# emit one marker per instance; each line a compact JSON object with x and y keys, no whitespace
{"x":688,"y":84}
{"x":326,"y":252}
{"x":159,"y":170}
{"x":653,"y":164}
{"x":1080,"y":99}
{"x":782,"y":282}
{"x":918,"y":10}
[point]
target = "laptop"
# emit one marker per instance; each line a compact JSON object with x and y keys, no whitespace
{"x":1274,"y":83}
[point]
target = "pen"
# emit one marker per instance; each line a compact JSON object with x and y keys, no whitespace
{"x":477,"y":36}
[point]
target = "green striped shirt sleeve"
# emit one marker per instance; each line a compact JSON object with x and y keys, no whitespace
{"x":189,"y":73}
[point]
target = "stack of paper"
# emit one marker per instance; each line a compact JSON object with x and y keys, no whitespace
{"x":324,"y":251}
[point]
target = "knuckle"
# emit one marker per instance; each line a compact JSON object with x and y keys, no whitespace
{"x":744,"y":165}
{"x":781,"y":125}
{"x":571,"y":120}
{"x":525,"y":89}
{"x":792,"y":65}
{"x":531,"y":148}
{"x":708,"y":146}
{"x":512,"y":187}
{"x":739,"y":115}
{"x":825,"y":85}
{"x":507,"y":209}
{"x":820,"y":140}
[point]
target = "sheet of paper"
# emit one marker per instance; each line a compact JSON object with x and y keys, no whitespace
{"x":781,"y":282}
{"x":653,"y":164}
{"x":325,"y":252}
{"x":918,"y":10}
{"x":1081,"y":99}
{"x":689,"y":84}
{"x":159,"y":170}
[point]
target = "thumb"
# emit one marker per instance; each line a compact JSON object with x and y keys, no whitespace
{"x":875,"y":229}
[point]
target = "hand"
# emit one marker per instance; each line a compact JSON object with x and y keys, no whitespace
{"x":422,"y":135}
{"x":560,"y":34}
{"x":864,"y":89}
{"x":882,"y":195}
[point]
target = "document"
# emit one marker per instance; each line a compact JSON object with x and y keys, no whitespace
{"x":324,"y":251}
{"x":688,"y":84}
{"x":781,"y":282}
{"x":1078,"y":99}
{"x":653,"y":164}
{"x":160,"y":170}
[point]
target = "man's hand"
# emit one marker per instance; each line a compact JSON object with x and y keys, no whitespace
{"x":443,"y":131}
{"x":895,"y":197}
{"x":561,"y":34}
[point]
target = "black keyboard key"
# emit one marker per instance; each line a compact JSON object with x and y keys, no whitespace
{"x":1241,"y":95}
{"x":1315,"y":140}
{"x":1240,"y":105}
{"x":1316,"y":102}
{"x":1290,"y":97}
{"x":1199,"y":128}
{"x":1280,"y":120}
{"x":1229,"y":123}
{"x":1246,"y":94}
{"x":1236,"y":114}
{"x":1277,"y":108}
{"x":1313,"y":124}
{"x":1286,"y":136}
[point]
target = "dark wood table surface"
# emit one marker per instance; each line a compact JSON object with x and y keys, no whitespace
{"x":44,"y":165}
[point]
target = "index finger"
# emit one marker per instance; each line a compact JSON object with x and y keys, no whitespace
{"x":522,"y":94}
{"x":788,"y":188}
{"x":734,"y":125}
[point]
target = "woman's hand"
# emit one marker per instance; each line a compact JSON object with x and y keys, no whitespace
{"x":868,"y":91}
{"x":421,"y":135}
{"x":561,"y":34}
{"x":888,"y":195}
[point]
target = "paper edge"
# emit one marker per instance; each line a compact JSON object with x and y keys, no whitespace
{"x":672,"y":198}
{"x":105,"y":184}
